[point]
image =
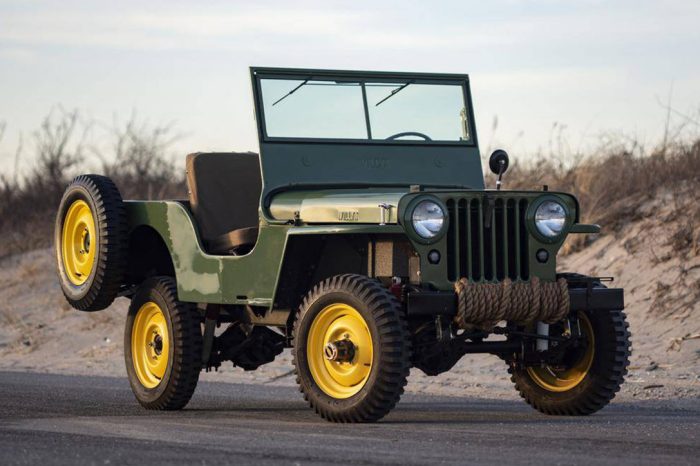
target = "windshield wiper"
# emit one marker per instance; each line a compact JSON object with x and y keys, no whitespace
{"x":392,"y":94}
{"x":290,"y":92}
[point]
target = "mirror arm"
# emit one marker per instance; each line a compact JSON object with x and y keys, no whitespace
{"x":501,"y":164}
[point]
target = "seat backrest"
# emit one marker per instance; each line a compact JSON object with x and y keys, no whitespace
{"x":224,"y":191}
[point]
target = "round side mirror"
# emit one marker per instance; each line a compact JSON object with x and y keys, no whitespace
{"x":498,"y":162}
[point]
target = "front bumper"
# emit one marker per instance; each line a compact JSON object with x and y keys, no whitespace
{"x":434,"y":303}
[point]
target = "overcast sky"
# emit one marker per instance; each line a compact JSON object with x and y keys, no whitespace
{"x":593,"y":66}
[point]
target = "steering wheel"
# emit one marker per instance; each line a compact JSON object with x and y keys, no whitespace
{"x":408,"y":133}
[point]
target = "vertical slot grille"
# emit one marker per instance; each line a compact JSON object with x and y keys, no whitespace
{"x":487,"y":239}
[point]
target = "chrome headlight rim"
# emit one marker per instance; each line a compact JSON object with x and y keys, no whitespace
{"x":408,"y":219}
{"x":532,"y":224}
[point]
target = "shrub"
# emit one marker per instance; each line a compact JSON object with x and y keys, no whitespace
{"x":138,"y":161}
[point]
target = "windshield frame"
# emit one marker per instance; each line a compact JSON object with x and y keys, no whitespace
{"x":359,"y":77}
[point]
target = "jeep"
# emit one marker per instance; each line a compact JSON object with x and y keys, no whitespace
{"x":363,"y":237}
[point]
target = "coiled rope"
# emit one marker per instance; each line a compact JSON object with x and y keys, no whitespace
{"x":483,"y":305}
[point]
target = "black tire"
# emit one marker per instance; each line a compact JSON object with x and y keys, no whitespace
{"x":391,"y":345}
{"x":601,"y":382}
{"x":106,"y":274}
{"x":185,"y":349}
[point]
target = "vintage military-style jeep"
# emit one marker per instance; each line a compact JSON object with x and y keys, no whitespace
{"x":363,"y":237}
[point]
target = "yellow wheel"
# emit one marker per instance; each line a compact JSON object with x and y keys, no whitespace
{"x":339,"y":350}
{"x":587,"y":374}
{"x":150,"y":344}
{"x":76,"y":242}
{"x":562,"y":379}
{"x":91,"y":242}
{"x":351,"y":349}
{"x":162,"y":346}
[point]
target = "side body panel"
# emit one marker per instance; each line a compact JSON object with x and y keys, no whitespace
{"x":204,"y":278}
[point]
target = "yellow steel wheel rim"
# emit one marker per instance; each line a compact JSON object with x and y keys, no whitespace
{"x":150,"y":344}
{"x":78,"y":239}
{"x":558,"y":380}
{"x":339,"y":322}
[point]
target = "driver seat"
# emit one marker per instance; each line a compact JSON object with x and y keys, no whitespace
{"x":224,"y":193}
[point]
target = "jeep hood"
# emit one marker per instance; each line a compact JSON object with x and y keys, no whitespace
{"x":337,"y":206}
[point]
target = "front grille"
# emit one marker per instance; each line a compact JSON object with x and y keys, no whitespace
{"x":487,"y":249}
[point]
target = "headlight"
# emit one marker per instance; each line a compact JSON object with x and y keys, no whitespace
{"x":428,"y":219}
{"x":550,"y":218}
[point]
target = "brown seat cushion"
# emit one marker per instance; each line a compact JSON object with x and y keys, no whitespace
{"x":224,"y":192}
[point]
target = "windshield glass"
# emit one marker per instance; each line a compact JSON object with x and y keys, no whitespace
{"x":393,"y":111}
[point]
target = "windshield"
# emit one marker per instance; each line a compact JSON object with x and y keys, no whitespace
{"x":364,"y":110}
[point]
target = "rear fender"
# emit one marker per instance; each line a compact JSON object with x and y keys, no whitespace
{"x":198,"y":275}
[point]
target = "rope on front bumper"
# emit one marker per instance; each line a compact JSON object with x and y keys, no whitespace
{"x":483,"y":305}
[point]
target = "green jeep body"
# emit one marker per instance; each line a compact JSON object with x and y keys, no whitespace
{"x":333,"y":188}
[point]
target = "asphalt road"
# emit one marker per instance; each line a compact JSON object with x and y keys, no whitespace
{"x":52,"y":419}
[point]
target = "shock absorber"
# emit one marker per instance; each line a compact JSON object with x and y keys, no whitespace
{"x":542,"y":343}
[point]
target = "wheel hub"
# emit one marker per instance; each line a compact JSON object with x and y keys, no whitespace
{"x":339,"y":351}
{"x":86,"y":241}
{"x":157,"y":344}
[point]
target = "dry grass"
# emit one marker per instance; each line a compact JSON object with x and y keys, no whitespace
{"x":615,"y":183}
{"x":137,"y":160}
